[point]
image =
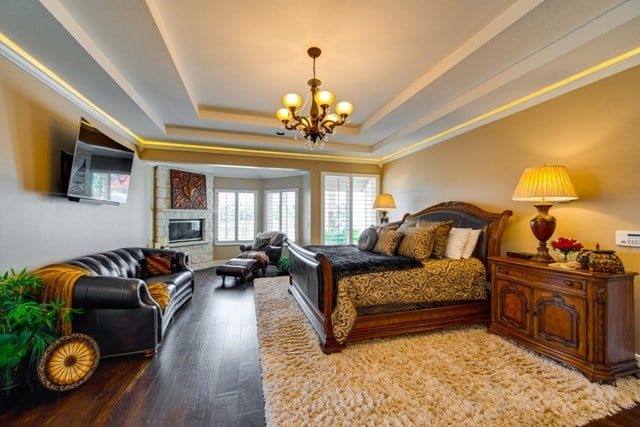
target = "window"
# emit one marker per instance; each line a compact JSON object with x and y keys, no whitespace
{"x":347,"y":207}
{"x":236,"y":216}
{"x":281,"y":211}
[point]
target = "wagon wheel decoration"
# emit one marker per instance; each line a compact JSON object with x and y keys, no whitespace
{"x":68,"y":362}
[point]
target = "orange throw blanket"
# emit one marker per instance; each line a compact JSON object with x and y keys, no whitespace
{"x":160,"y":293}
{"x":59,"y":280}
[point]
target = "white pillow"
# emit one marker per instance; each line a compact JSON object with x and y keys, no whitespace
{"x":474,"y":235}
{"x":457,"y":240}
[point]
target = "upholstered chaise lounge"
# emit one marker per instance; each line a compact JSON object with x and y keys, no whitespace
{"x":118,"y":309}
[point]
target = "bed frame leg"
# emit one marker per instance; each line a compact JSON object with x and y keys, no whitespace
{"x":332,"y":346}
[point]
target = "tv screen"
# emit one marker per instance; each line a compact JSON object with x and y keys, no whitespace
{"x":101,"y":167}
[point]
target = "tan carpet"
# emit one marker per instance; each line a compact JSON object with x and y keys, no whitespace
{"x":461,"y":376}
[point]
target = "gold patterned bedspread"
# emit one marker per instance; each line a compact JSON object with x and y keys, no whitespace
{"x":437,"y":281}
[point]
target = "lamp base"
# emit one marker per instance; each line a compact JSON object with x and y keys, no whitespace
{"x":384,"y":219}
{"x":542,"y":254}
{"x":543,"y":225}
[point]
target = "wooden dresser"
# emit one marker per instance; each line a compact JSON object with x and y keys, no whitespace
{"x":582,"y":318}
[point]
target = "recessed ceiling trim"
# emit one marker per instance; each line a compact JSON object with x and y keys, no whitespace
{"x":16,"y":55}
{"x":243,"y":118}
{"x":69,"y":23}
{"x":604,"y":23}
{"x":164,"y":33}
{"x":168,"y":145}
{"x":23,"y":60}
{"x":206,"y":134}
{"x":597,"y":72}
{"x":495,"y":27}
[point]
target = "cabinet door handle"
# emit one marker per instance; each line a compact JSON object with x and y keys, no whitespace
{"x":569,"y":284}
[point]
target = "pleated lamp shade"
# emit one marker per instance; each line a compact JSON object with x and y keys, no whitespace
{"x":545,"y":184}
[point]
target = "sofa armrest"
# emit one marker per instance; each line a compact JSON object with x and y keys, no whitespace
{"x":110,"y":292}
{"x":182,"y":262}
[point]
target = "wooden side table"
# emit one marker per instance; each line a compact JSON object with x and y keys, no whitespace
{"x":582,"y":318}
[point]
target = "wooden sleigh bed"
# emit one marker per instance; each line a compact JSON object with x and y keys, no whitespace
{"x":313,"y":286}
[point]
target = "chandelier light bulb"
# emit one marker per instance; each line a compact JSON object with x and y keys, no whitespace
{"x":292,"y":100}
{"x":344,"y":108}
{"x":284,"y":114}
{"x":324,"y":98}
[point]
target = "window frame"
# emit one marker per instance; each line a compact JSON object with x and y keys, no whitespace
{"x":350,"y":198}
{"x":236,"y":241}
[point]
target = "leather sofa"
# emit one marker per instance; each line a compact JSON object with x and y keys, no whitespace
{"x":118,"y":310}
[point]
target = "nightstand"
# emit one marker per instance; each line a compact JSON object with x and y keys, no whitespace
{"x":579,"y":317}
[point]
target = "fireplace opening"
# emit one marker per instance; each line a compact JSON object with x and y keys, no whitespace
{"x":186,"y":230}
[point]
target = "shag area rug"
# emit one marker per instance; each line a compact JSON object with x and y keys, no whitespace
{"x":460,"y":376}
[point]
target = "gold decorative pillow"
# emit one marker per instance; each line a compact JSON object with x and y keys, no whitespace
{"x":441,"y":238}
{"x":388,"y":241}
{"x":417,"y":242}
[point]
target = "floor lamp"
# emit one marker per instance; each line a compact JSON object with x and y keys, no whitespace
{"x":543,"y":185}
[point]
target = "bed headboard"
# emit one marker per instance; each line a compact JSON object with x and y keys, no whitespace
{"x":466,"y":215}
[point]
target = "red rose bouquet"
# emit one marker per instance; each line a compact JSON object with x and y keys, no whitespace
{"x":566,"y":246}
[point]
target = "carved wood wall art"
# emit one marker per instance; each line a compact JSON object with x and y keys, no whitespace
{"x":188,"y":190}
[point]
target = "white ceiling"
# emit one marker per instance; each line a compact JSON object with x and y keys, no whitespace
{"x":211,"y":73}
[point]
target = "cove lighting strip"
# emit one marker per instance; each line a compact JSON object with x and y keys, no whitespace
{"x":18,"y":56}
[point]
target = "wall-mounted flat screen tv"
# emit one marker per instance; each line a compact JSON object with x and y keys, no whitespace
{"x":101,"y":167}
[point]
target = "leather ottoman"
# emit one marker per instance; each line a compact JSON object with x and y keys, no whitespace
{"x":238,"y":268}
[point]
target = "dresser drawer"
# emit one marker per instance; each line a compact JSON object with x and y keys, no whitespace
{"x":548,"y":281}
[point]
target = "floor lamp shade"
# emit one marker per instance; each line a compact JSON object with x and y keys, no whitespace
{"x":383,"y":203}
{"x":544,"y":185}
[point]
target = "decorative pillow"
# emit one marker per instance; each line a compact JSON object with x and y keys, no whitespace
{"x":474,"y":235}
{"x":442,"y":236}
{"x":457,"y":241}
{"x":260,"y":244}
{"x":368,"y":239}
{"x":417,"y":242}
{"x":388,"y":241}
{"x":157,"y":266}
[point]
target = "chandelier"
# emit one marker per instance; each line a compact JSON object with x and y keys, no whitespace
{"x":321,"y":121}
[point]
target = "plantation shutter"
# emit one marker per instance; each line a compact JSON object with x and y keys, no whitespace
{"x":246,"y":216}
{"x":281,"y":212}
{"x":226,"y":212}
{"x":337,"y":210}
{"x":364,"y":190}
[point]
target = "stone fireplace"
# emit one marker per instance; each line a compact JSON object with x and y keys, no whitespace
{"x":188,"y":230}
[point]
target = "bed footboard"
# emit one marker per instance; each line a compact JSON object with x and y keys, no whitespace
{"x":311,"y":284}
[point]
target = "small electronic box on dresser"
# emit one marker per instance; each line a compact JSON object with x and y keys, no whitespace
{"x":579,"y":317}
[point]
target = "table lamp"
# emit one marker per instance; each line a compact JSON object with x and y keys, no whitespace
{"x":383,"y":203}
{"x":543,"y":185}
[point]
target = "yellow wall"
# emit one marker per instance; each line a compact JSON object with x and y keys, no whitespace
{"x":594,"y":132}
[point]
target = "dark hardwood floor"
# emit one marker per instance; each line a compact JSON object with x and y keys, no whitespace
{"x":206,"y":373}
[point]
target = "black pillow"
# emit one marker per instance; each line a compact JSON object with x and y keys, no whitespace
{"x":368,"y":239}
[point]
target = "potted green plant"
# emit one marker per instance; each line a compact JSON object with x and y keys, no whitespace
{"x":27,"y":326}
{"x":283,"y":266}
